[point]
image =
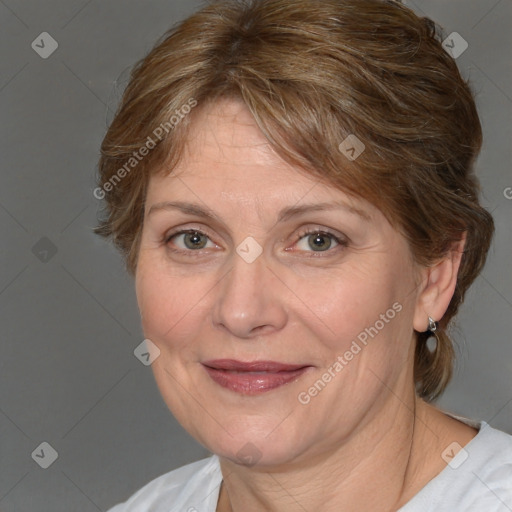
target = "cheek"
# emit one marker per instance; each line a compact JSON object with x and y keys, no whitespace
{"x":368,"y":322}
{"x":366,"y":335}
{"x":168,"y":304}
{"x":347,"y":301}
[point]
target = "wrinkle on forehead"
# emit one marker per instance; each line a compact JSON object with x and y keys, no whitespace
{"x":223,"y":125}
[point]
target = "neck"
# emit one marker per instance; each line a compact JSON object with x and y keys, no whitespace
{"x":380,"y":467}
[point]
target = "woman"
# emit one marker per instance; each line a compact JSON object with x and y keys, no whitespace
{"x":302,"y":222}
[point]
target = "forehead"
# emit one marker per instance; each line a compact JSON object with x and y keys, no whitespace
{"x":224,"y":137}
{"x":228,"y":158}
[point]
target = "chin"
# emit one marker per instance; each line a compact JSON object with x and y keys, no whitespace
{"x":249,"y":452}
{"x":250,"y":441}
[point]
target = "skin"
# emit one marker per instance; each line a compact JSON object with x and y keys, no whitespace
{"x":365,"y":442}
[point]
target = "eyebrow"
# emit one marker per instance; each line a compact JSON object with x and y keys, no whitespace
{"x":285,"y":214}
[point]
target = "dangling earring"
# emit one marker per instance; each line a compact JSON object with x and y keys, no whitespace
{"x":432,"y":325}
{"x":432,"y":330}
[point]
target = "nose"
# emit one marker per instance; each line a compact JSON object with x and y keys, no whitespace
{"x":250,"y":300}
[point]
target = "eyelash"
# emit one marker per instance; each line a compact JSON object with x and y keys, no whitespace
{"x":341,"y":242}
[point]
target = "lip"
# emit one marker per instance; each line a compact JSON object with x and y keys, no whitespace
{"x":253,"y":377}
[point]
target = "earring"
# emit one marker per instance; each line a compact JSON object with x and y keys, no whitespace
{"x":432,"y":341}
{"x":432,"y":325}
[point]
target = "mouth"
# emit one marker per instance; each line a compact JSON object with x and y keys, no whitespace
{"x":253,"y":377}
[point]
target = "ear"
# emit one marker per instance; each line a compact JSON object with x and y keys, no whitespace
{"x":437,"y":287}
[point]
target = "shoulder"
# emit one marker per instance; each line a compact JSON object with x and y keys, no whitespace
{"x":478,"y":477}
{"x":491,"y":466}
{"x":194,"y":486}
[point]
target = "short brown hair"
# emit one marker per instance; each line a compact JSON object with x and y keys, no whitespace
{"x":313,"y":72}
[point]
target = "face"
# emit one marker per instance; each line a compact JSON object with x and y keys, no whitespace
{"x":282,"y":307}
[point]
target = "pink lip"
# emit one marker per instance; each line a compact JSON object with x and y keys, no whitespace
{"x":253,"y":377}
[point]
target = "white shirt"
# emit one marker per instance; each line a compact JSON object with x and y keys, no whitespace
{"x":477,"y":479}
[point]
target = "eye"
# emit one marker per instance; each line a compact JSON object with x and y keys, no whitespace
{"x":189,"y":240}
{"x":193,"y":240}
{"x":319,"y":241}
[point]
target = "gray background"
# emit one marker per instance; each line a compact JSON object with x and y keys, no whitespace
{"x":69,"y":320}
